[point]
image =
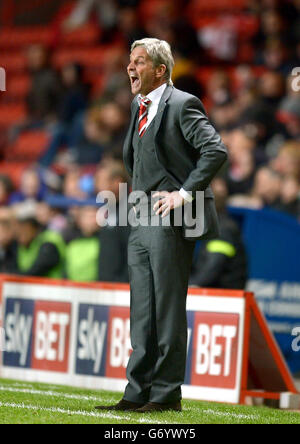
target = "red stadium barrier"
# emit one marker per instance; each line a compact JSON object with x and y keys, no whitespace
{"x":78,"y":334}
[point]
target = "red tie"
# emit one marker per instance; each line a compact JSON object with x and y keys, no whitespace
{"x":143,"y":114}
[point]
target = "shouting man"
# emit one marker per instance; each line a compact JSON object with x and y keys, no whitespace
{"x":171,"y":152}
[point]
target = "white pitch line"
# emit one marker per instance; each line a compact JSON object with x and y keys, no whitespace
{"x":59,"y":410}
{"x":51,"y":393}
{"x":77,"y":412}
{"x":70,"y":396}
{"x":4,"y":388}
{"x":233,"y":415}
{"x":17,"y":384}
{"x":220,"y":413}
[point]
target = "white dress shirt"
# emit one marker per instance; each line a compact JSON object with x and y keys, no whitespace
{"x":155,"y":97}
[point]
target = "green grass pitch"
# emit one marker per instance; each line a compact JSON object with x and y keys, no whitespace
{"x":28,"y":403}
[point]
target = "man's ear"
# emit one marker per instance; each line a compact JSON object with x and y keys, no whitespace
{"x":161,"y":71}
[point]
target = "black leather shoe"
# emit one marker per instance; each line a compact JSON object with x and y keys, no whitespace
{"x":156,"y":407}
{"x":122,"y":406}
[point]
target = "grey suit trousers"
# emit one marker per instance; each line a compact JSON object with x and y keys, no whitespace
{"x":159,"y":261}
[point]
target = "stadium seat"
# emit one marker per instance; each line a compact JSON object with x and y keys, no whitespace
{"x":91,"y":57}
{"x":204,"y":74}
{"x":14,"y":170}
{"x":97,"y":83}
{"x":87,"y":35}
{"x":246,"y":26}
{"x":29,"y":146}
{"x":13,"y":62}
{"x":200,"y":7}
{"x":24,"y":36}
{"x":245,"y":53}
{"x":63,"y":12}
{"x":147,"y":10}
{"x":17,"y":87}
{"x":10,"y":114}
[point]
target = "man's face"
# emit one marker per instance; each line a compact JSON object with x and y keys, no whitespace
{"x":87,"y":220}
{"x":25,"y":233}
{"x":142,"y":74}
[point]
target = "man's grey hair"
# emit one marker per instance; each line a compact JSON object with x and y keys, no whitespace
{"x":160,"y":53}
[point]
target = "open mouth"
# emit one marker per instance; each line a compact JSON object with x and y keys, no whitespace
{"x":134,"y":81}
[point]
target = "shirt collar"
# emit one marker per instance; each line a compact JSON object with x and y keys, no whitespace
{"x":156,"y":94}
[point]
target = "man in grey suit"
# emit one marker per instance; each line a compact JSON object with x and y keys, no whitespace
{"x":171,"y":152}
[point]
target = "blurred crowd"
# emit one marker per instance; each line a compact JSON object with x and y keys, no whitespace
{"x":255,"y":105}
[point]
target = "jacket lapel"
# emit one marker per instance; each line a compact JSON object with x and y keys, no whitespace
{"x":127,"y":149}
{"x":161,"y":108}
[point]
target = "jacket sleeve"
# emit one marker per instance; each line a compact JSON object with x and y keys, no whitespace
{"x":113,"y":265}
{"x":198,"y":131}
{"x":208,"y":270}
{"x":48,"y":257}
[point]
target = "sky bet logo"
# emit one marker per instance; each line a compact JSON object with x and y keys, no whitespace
{"x":103,"y":341}
{"x":37,"y":334}
{"x":18,"y":321}
{"x":91,"y":339}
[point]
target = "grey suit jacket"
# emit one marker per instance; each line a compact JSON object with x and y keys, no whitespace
{"x":187,"y":147}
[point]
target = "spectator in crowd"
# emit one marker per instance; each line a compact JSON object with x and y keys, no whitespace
{"x":89,"y":147}
{"x":290,"y":196}
{"x":51,"y":218}
{"x":95,"y":253}
{"x":241,"y":170}
{"x":287,"y":162}
{"x":74,"y":97}
{"x":71,"y":185}
{"x":258,"y":121}
{"x":31,"y":188}
{"x":39,"y":253}
{"x":113,"y":236}
{"x":43,"y":96}
{"x":105,"y":9}
{"x":276,"y":57}
{"x":44,"y":92}
{"x":129,"y":25}
{"x":189,"y":83}
{"x":289,"y":111}
{"x":72,"y":190}
{"x":267,"y":186}
{"x":166,"y":22}
{"x":83,"y":248}
{"x":116,"y":89}
{"x":73,"y":101}
{"x":93,"y":133}
{"x":221,"y":262}
{"x":113,"y":265}
{"x":273,"y":26}
{"x":8,"y":245}
{"x":6,"y":189}
{"x":265,"y":191}
{"x":109,"y":176}
{"x":218,"y":88}
{"x":271,"y":88}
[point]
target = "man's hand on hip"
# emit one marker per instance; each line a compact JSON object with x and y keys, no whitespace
{"x":167,"y":202}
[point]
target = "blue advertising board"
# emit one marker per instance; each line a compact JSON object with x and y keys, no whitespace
{"x":272,"y":241}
